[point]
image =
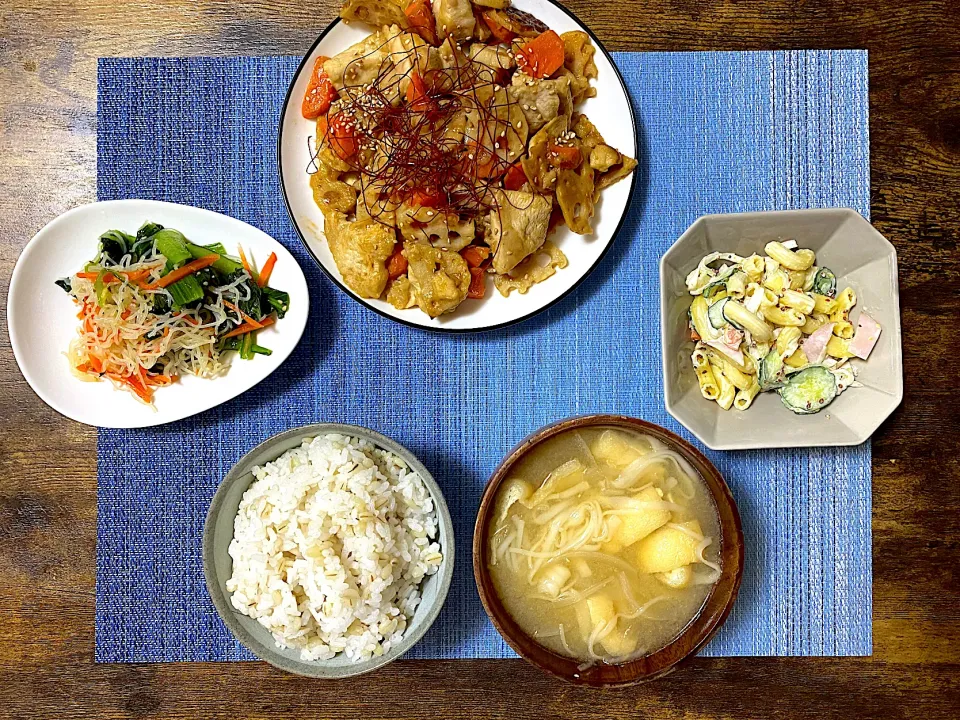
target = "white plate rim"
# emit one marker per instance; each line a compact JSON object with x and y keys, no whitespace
{"x":19,"y":353}
{"x":479,"y":328}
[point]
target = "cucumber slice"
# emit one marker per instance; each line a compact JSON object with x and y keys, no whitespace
{"x":715,"y":313}
{"x":810,"y":390}
{"x":825,"y":282}
{"x":727,"y":318}
{"x":771,"y":374}
{"x":718,"y":283}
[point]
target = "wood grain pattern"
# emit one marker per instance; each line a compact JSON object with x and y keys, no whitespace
{"x":48,"y":54}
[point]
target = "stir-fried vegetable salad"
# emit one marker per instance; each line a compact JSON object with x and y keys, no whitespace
{"x":155,"y":305}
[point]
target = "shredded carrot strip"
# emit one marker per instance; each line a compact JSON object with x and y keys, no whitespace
{"x":246,"y":327}
{"x":246,"y":263}
{"x":189,"y":269}
{"x":249,"y":320}
{"x":267,"y":270}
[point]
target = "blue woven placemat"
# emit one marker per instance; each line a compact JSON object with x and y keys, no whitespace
{"x":719,"y":132}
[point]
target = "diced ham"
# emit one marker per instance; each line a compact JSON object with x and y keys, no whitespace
{"x":731,"y":353}
{"x":732,"y":338}
{"x":815,"y":346}
{"x":868,"y":331}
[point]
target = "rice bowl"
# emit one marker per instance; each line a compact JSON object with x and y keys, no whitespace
{"x":328,"y":550}
{"x":330,"y":544}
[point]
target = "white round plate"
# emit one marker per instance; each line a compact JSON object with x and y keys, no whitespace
{"x":610,"y":111}
{"x":42,"y":318}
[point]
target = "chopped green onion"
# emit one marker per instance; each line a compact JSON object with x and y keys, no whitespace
{"x":260,"y":350}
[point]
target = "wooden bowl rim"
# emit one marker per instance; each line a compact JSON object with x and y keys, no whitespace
{"x":698,"y":631}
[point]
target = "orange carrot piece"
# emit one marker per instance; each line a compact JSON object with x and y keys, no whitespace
{"x":422,"y":20}
{"x":267,"y":270}
{"x":501,"y":33}
{"x":478,"y":283}
{"x":133,"y":276}
{"x":320,"y":92}
{"x":515,"y":177}
{"x":135,"y":384}
{"x":428,"y":197}
{"x":246,"y":263}
{"x":397,"y":263}
{"x":249,"y":320}
{"x":245,"y":328}
{"x":475,"y":255}
{"x":542,"y":56}
{"x":342,"y":135}
{"x":181,"y":272}
{"x":563,"y":156}
{"x":418,"y":95}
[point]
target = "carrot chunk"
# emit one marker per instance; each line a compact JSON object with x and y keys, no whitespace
{"x":542,"y":56}
{"x":320,"y":92}
{"x":397,"y":263}
{"x":478,"y":283}
{"x":422,"y":21}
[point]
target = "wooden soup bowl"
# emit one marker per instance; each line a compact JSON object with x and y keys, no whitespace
{"x":698,"y":631}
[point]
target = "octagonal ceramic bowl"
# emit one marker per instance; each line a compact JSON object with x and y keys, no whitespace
{"x":861,"y":258}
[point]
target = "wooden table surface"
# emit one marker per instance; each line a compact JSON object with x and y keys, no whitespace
{"x":48,"y":55}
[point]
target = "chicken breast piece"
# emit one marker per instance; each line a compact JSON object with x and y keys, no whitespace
{"x":360,"y":249}
{"x":439,"y":279}
{"x":541,"y":100}
{"x":517,"y":228}
{"x":454,"y":17}
{"x":358,"y":64}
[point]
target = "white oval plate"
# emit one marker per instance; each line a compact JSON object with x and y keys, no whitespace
{"x":610,"y":111}
{"x":42,"y":317}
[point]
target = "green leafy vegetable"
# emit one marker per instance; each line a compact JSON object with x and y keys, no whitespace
{"x":115,"y":244}
{"x":148,"y":229}
{"x":230,"y":343}
{"x":186,"y":291}
{"x":225,"y":265}
{"x":65,"y":283}
{"x":218,"y":248}
{"x":161,"y":304}
{"x":277,"y":300}
{"x":246,"y":346}
{"x":100,"y":288}
{"x":173,"y":246}
{"x":144,"y":241}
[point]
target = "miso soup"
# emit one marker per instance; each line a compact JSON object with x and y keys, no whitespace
{"x":604,"y":544}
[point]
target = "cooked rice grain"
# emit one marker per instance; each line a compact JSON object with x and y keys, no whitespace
{"x":330,"y":544}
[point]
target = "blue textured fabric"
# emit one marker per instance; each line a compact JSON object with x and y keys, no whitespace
{"x":720,"y":132}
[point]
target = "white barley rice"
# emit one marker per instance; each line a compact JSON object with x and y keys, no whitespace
{"x":330,"y":544}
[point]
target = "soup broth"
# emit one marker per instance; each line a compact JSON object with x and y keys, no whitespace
{"x":604,"y":544}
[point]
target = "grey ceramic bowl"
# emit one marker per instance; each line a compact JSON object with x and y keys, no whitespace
{"x":218,"y":566}
{"x":861,"y":258}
